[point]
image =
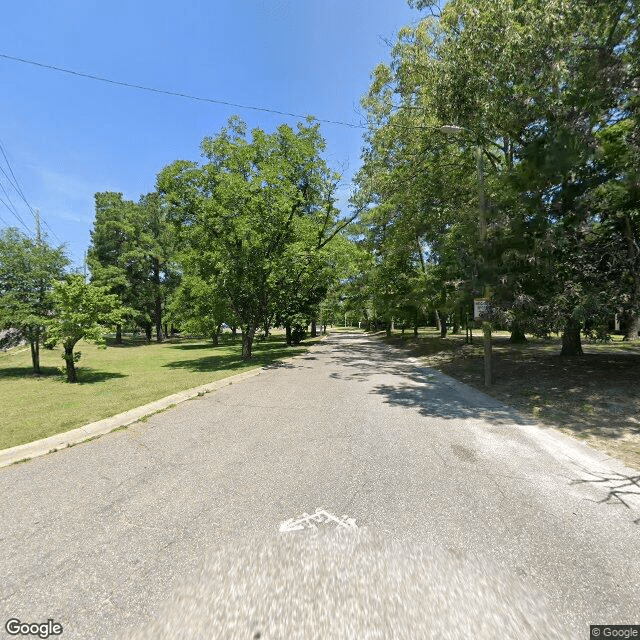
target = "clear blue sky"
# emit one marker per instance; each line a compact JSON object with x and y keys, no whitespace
{"x":68,"y":137}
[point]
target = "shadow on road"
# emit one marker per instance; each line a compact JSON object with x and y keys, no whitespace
{"x":621,"y":488}
{"x":419,"y":388}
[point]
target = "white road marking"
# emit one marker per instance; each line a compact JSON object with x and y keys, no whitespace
{"x":310,"y":521}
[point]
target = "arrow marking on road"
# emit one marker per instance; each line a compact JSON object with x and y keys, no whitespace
{"x":319,"y":517}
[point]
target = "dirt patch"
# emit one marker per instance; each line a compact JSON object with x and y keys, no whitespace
{"x":595,"y":397}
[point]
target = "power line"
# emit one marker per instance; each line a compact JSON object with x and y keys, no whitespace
{"x":14,"y":212}
{"x":16,"y":185}
{"x":177,"y":93}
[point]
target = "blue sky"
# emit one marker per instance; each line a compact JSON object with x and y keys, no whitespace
{"x":68,"y":137}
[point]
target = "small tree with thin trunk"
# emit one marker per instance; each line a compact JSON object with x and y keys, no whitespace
{"x":27,"y":269}
{"x":82,"y":311}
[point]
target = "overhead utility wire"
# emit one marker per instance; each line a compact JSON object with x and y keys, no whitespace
{"x":15,"y":213}
{"x":16,"y":185}
{"x":36,"y":216}
{"x":176,"y":93}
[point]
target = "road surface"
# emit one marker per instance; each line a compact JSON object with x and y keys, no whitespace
{"x":349,"y":493}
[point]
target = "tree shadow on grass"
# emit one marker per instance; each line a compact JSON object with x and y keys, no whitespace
{"x":592,"y":395}
{"x":87,"y":375}
{"x":226,"y":362}
{"x":27,"y":372}
{"x":200,"y":345}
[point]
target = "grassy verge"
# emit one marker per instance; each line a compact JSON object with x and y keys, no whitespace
{"x":113,"y":380}
{"x":595,"y":397}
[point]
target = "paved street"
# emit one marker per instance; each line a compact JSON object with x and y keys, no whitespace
{"x":470,"y":519}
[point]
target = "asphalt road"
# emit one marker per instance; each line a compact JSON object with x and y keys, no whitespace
{"x":471,"y":521}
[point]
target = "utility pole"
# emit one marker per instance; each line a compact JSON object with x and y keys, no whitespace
{"x":38,"y":230}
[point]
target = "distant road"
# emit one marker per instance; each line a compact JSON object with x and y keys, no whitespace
{"x":348,"y":493}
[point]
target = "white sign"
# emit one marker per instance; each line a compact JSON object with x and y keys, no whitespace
{"x":312,"y":521}
{"x":481,"y":308}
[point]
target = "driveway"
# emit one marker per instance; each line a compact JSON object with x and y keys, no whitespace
{"x":349,"y":493}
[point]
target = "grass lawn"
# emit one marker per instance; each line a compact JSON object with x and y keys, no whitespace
{"x":595,"y":397}
{"x":113,"y":380}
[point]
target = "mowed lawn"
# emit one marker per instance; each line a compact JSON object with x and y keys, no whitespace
{"x":113,"y":380}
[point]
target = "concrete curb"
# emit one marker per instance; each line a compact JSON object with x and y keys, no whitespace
{"x":66,"y":439}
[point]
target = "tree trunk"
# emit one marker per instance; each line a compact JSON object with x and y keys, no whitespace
{"x":247,"y":341}
{"x":216,"y":335}
{"x":415,"y":325}
{"x":118,"y":334}
{"x":517,"y":334}
{"x":632,"y":327}
{"x":157,"y":301}
{"x":571,"y":345}
{"x":288,"y":333}
{"x":70,"y":364}
{"x":234,"y":333}
{"x":35,"y":353}
{"x":438,"y":325}
{"x":158,"y":314}
{"x":456,"y":323}
{"x":442,"y":324}
{"x":314,"y":329}
{"x":148,"y":330}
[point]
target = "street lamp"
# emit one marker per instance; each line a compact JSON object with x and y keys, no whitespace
{"x":482,"y":219}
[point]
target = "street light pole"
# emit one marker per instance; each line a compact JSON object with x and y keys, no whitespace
{"x":482,"y":223}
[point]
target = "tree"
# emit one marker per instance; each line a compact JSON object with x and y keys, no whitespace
{"x":81,"y":311}
{"x":527,"y":88}
{"x":157,"y":243}
{"x":257,"y":206}
{"x":200,"y":306}
{"x":27,"y":271}
{"x":131,"y":253}
{"x":115,"y":258}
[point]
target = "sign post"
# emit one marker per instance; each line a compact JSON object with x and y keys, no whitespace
{"x":481,"y":312}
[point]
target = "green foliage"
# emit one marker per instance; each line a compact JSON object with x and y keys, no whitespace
{"x":27,"y":271}
{"x":81,"y":311}
{"x":132,"y":254}
{"x":253,"y":222}
{"x":541,"y":96}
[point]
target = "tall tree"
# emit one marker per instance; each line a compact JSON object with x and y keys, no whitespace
{"x":525,"y":87}
{"x":115,"y":258}
{"x":245,"y":213}
{"x":28,"y":269}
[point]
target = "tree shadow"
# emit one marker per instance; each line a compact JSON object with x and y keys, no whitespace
{"x":425,"y":390}
{"x":128,"y":342}
{"x":27,"y":372}
{"x":194,"y":347}
{"x":621,"y":488}
{"x":265,"y":355}
{"x":87,"y":375}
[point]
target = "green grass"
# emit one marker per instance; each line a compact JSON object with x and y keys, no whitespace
{"x":113,"y":380}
